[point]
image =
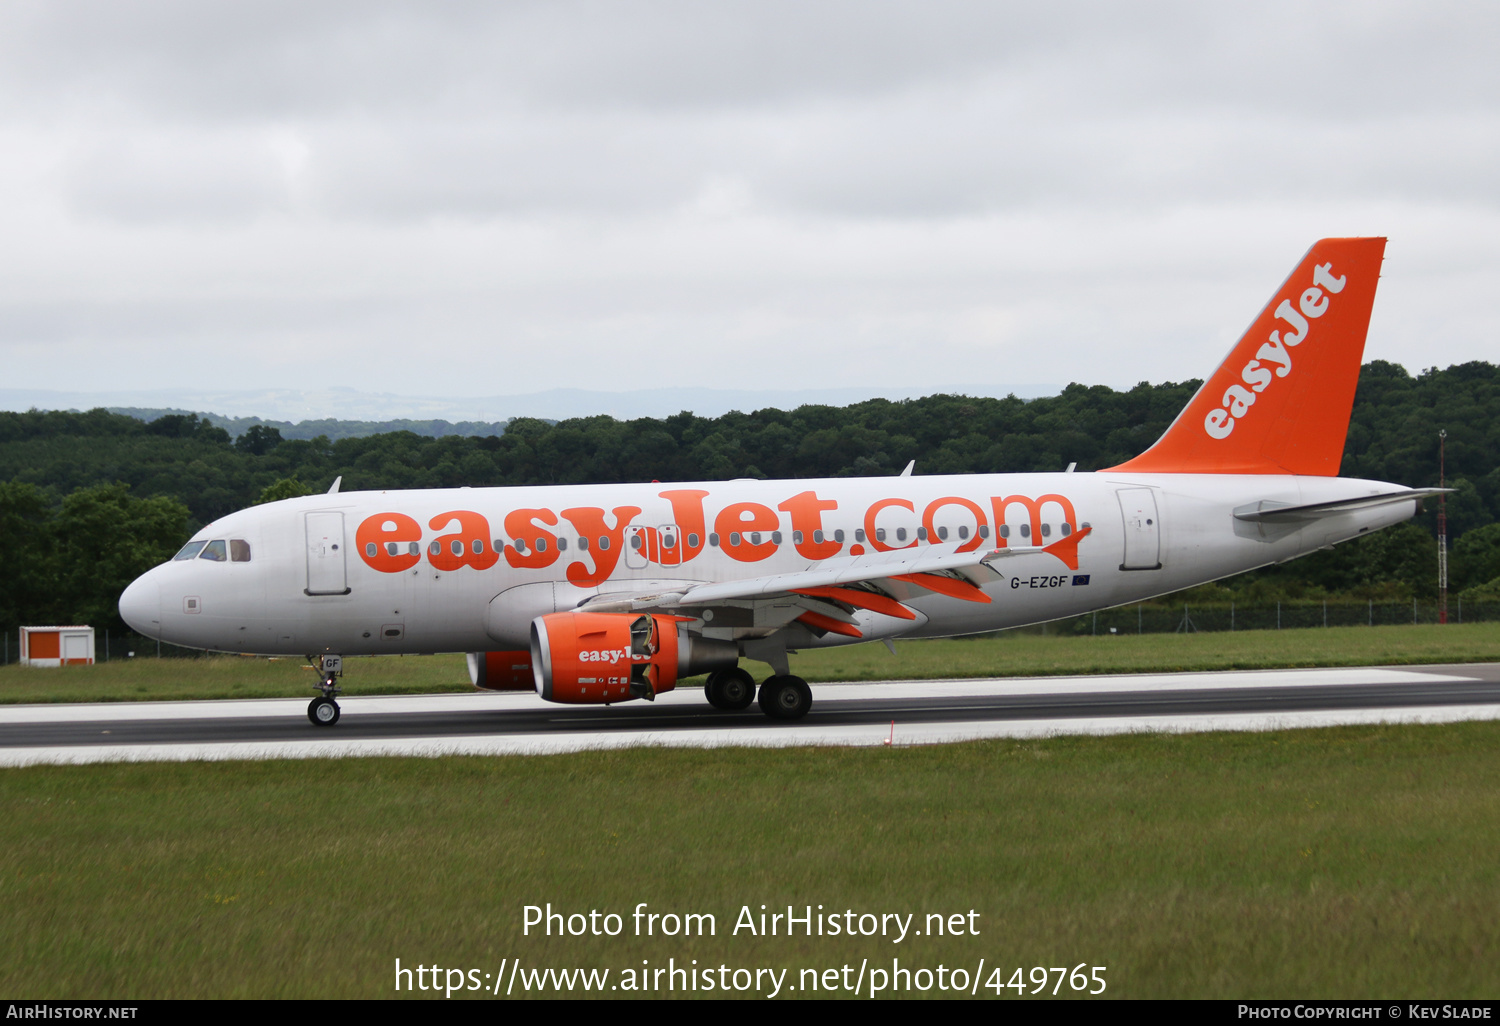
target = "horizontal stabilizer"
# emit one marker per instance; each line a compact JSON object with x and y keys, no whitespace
{"x":1269,"y":511}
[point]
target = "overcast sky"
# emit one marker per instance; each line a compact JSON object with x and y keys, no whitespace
{"x":489,"y":198}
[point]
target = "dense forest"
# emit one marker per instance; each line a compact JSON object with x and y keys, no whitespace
{"x":88,"y":500}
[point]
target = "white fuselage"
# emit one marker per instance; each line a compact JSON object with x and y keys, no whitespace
{"x":418,"y":571}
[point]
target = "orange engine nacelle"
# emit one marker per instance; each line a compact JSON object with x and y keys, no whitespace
{"x":592,"y":658}
{"x":501,"y":671}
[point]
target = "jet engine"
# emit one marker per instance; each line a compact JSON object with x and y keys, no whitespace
{"x":590,"y":658}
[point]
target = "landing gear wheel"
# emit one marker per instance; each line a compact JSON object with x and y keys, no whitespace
{"x":323,"y":711}
{"x":730,"y":690}
{"x":785,"y":698}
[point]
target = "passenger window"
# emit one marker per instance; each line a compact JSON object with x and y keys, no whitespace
{"x":478,"y":546}
{"x":457,"y":547}
{"x":775,"y":537}
{"x":838,"y":536}
{"x":1005,"y":530}
{"x":1067,"y":529}
{"x":859,"y":534}
{"x":603,"y":543}
{"x":942,"y":534}
{"x":817,"y":537}
{"x":499,"y":544}
{"x":880,"y":534}
{"x":754,"y":537}
{"x":692,"y":541}
{"x":984,"y":530}
{"x":1046,"y":530}
{"x":391,"y":549}
{"x":189,"y":550}
{"x":1025,"y":530}
{"x":963,"y":532}
{"x":370,"y":549}
{"x":239,"y":550}
{"x":797,"y":537}
{"x":434,"y":549}
{"x":583,"y":543}
{"x":713,"y":541}
{"x":562,"y":545}
{"x":214,"y":550}
{"x":901,"y":534}
{"x":541,"y":544}
{"x":734,"y":539}
{"x":921,"y":534}
{"x":414,"y":549}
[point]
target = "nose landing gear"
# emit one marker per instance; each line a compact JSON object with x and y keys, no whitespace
{"x":323,"y":711}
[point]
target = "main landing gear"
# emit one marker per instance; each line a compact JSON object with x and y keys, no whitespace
{"x":782,"y":697}
{"x":323,"y":711}
{"x":785,"y":697}
{"x":730,"y":690}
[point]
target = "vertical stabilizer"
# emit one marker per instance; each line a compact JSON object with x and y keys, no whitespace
{"x":1280,"y":403}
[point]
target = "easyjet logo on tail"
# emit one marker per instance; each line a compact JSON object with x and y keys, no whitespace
{"x":1274,"y":358}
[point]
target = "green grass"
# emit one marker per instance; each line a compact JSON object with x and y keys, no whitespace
{"x":1352,"y":861}
{"x":1014,"y":653}
{"x":1022,"y":654}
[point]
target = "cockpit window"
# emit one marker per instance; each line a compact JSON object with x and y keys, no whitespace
{"x":239,"y":550}
{"x":214,"y":550}
{"x":189,"y":550}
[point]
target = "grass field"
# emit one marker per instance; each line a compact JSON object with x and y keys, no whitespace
{"x":1351,"y":861}
{"x":1009,"y":654}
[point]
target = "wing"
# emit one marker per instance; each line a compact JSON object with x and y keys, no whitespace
{"x":823,"y":598}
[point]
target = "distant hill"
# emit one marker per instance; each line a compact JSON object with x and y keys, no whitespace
{"x":279,"y":407}
{"x":329,"y":428}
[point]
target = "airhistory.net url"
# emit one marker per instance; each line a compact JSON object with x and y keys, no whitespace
{"x":512,"y":978}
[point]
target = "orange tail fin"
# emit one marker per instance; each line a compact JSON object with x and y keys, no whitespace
{"x":1280,"y":403}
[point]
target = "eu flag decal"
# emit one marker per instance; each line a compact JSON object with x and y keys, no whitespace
{"x":1080,"y":579}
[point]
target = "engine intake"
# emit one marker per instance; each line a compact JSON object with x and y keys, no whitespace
{"x":593,"y":658}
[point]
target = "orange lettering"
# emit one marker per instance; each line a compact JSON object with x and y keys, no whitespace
{"x":1033,"y":508}
{"x":687,"y":514}
{"x":605,"y":543}
{"x":520,"y":526}
{"x":379,"y":533}
{"x":954,"y":500}
{"x":870,"y":515}
{"x":740,"y":518}
{"x":469,"y":546}
{"x":807,"y":516}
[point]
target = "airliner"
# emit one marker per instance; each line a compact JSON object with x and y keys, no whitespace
{"x":604,"y":594}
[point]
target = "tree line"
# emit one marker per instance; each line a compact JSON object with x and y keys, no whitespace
{"x":88,"y":500}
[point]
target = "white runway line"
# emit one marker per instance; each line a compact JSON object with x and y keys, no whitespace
{"x":872,"y":735}
{"x":356,"y":705}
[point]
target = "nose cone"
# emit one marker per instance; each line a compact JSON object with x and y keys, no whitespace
{"x":140,"y":605}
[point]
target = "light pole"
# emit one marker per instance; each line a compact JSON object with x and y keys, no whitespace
{"x":1442,"y":532}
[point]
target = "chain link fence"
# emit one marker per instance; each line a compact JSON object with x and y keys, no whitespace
{"x":1159,"y":619}
{"x":1145,"y":618}
{"x":108,"y":646}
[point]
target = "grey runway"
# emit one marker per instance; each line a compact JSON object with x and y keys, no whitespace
{"x":835,"y":706}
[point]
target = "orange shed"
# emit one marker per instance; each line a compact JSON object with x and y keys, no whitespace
{"x":57,"y":646}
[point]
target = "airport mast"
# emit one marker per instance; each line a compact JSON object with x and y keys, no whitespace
{"x":1442,"y":533}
